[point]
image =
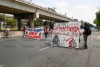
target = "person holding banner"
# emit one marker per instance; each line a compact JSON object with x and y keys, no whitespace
{"x":24,"y":29}
{"x":85,"y":36}
{"x":46,"y":32}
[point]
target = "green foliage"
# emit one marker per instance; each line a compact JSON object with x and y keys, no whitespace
{"x":48,"y":24}
{"x":11,"y":22}
{"x":2,"y":18}
{"x":51,"y":25}
{"x":96,"y":22}
{"x":45,"y":23}
{"x":37,"y":22}
{"x":98,"y":18}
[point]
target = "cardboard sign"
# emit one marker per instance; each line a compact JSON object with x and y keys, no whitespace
{"x":66,"y":34}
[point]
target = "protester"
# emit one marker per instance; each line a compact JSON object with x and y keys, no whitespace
{"x":7,"y":30}
{"x":51,"y":29}
{"x":24,"y":29}
{"x":85,"y":35}
{"x":46,"y":32}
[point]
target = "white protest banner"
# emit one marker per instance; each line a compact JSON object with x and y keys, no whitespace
{"x":66,"y":34}
{"x":74,"y":29}
{"x":33,"y":33}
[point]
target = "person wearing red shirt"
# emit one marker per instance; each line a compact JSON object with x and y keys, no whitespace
{"x":24,"y":29}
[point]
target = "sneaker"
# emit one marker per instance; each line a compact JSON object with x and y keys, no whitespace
{"x":85,"y":46}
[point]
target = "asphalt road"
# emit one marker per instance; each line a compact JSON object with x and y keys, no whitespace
{"x":22,"y":52}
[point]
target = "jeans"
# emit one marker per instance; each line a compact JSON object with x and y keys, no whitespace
{"x":46,"y":35}
{"x":23,"y":33}
{"x":85,"y":36}
{"x":79,"y":39}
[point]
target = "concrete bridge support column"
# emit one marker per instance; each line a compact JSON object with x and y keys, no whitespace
{"x":31,"y":20}
{"x":19,"y":24}
{"x":18,"y":17}
{"x":31,"y":23}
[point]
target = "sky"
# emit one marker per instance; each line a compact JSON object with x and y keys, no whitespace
{"x":78,"y":9}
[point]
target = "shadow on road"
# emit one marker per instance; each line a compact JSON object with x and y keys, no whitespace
{"x":81,"y":48}
{"x":42,"y":39}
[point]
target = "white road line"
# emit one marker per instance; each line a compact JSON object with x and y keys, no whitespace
{"x":44,"y":48}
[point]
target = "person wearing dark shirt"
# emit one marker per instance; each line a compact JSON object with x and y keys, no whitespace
{"x":85,"y":36}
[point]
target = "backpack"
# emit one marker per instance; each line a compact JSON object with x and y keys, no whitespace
{"x":89,"y":32}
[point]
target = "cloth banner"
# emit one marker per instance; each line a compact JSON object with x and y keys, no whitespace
{"x":33,"y":33}
{"x":66,"y":34}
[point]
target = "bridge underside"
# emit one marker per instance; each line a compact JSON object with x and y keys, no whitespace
{"x":22,"y":11}
{"x":8,"y":10}
{"x":11,"y":10}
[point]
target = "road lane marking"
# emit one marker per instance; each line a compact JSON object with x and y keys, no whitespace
{"x":44,"y":48}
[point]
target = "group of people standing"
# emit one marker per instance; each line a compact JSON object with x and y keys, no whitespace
{"x":48,"y":31}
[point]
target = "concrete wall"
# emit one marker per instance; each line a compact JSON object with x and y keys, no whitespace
{"x":14,"y":33}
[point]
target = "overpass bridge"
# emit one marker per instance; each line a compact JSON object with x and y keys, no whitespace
{"x":26,"y":10}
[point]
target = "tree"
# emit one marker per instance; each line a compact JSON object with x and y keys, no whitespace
{"x":11,"y":22}
{"x":51,"y":25}
{"x":96,"y":22}
{"x":98,"y":18}
{"x":37,"y":22}
{"x":2,"y":18}
{"x":45,"y":23}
